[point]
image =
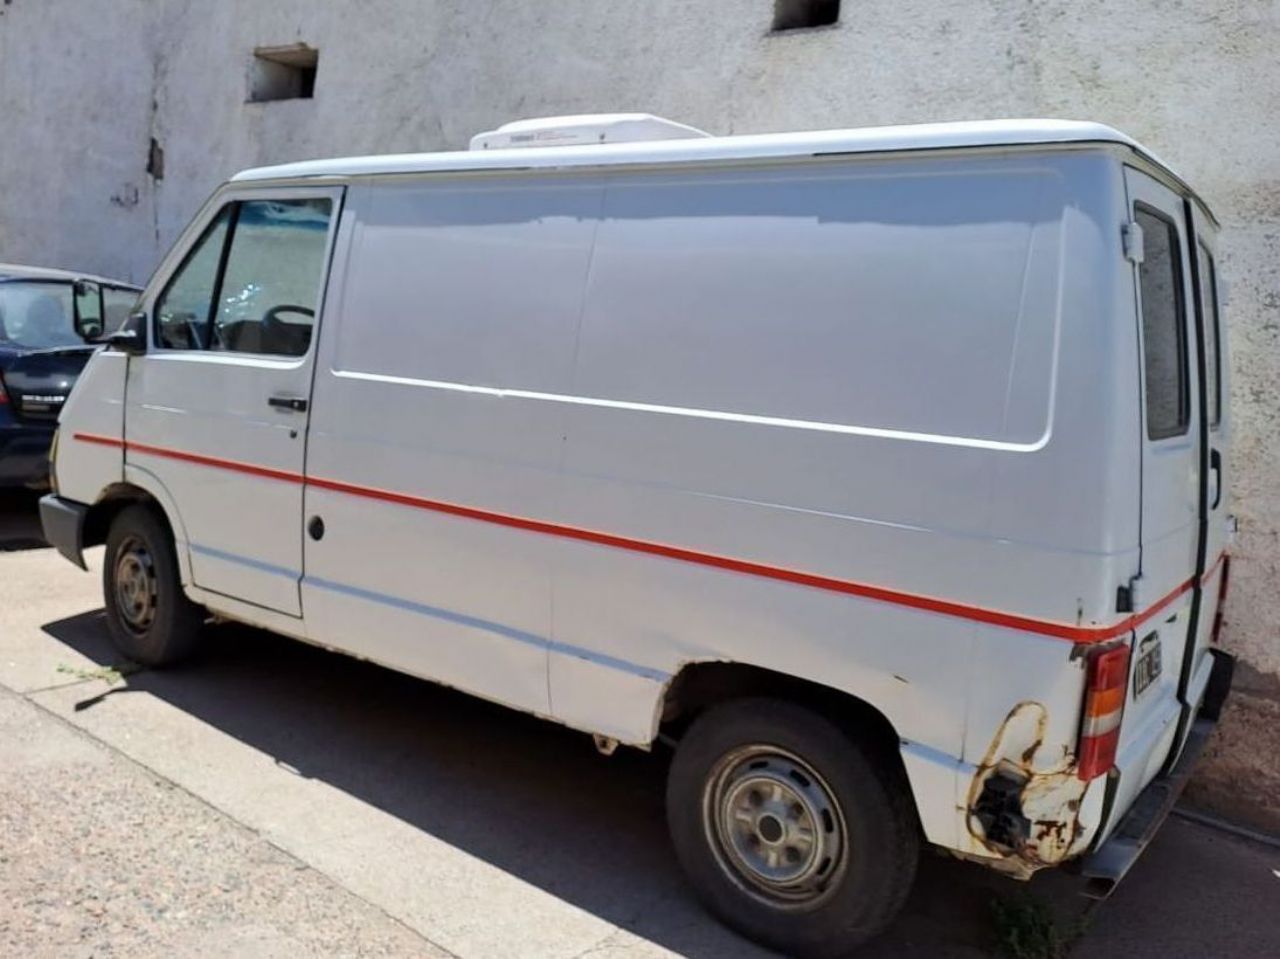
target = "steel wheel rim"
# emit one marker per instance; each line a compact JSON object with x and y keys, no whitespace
{"x":135,"y":585}
{"x":775,"y":826}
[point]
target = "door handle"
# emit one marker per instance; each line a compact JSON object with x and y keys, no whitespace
{"x":1215,"y":467}
{"x":292,"y":403}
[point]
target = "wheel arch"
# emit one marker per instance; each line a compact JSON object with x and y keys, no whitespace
{"x":698,"y":686}
{"x":138,"y":488}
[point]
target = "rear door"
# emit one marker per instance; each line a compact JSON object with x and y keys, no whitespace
{"x":1169,"y":430}
{"x":217,"y":410}
{"x":1217,"y":434}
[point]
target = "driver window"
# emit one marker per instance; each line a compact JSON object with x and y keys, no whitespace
{"x":266,"y":302}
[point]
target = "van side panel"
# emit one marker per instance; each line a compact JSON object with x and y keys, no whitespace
{"x":454,"y":290}
{"x":570,"y":435}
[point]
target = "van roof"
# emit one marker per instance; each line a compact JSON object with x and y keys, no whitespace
{"x":889,"y":139}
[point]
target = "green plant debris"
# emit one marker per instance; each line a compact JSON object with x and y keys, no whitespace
{"x":1026,"y":928}
{"x":108,"y":674}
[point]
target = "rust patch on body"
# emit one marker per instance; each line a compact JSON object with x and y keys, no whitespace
{"x":1029,"y":817}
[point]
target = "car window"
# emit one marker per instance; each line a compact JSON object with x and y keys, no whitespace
{"x":117,"y":304}
{"x":1164,"y":330}
{"x":183,"y":309}
{"x":271,"y":284}
{"x":37,"y":315}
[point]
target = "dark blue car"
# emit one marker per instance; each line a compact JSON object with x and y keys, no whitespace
{"x":41,"y":355}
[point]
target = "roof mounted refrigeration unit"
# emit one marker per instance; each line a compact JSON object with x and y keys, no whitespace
{"x":584,"y":130}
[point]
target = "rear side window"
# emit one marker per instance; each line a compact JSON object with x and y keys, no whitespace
{"x":1212,"y":352}
{"x":1164,"y":328}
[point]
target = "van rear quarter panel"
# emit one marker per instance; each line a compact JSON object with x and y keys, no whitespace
{"x":906,"y":374}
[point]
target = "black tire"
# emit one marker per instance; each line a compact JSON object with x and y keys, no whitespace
{"x":870,"y":866}
{"x":162,"y":627}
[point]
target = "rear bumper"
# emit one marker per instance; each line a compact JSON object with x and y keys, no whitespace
{"x":24,"y":454}
{"x":1109,"y":863}
{"x":63,"y":523}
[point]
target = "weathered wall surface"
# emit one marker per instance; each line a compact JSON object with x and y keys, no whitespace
{"x":85,"y":86}
{"x":75,"y":105}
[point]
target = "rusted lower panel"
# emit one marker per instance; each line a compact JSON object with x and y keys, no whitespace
{"x":1028,"y":816}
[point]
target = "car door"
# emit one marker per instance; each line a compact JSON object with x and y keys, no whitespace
{"x":216,"y":410}
{"x":1170,"y":511}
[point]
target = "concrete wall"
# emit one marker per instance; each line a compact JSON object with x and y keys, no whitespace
{"x":83,"y":92}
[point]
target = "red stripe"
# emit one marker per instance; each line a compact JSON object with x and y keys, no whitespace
{"x":1076,"y":634}
{"x":1213,"y":569}
{"x":265,"y":472}
{"x":100,"y":440}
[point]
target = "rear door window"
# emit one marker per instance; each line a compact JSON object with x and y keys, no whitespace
{"x":1212,"y":353}
{"x":1164,"y":331}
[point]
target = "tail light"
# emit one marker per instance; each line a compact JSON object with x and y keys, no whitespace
{"x":4,"y":397}
{"x":1222,"y":600}
{"x":1108,"y":680}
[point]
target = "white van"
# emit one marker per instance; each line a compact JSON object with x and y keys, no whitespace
{"x":878,"y":472}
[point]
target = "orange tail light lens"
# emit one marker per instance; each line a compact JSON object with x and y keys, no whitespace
{"x":1108,"y":681}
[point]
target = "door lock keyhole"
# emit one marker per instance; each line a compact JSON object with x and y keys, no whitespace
{"x":315,"y":528}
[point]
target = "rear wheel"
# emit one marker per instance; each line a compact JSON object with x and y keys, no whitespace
{"x":150,"y":619}
{"x":792,"y":832}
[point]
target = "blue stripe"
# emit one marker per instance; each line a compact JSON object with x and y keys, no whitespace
{"x":519,"y":635}
{"x":448,"y":615}
{"x":435,"y":612}
{"x":245,"y":561}
{"x":613,"y":662}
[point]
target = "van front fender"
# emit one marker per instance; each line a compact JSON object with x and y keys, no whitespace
{"x":149,"y":483}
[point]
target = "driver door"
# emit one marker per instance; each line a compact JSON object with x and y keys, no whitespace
{"x":217,"y":409}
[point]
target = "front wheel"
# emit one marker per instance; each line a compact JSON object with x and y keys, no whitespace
{"x":791,"y":831}
{"x":150,"y":619}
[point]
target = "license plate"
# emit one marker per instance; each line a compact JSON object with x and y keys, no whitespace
{"x":1147,"y":669}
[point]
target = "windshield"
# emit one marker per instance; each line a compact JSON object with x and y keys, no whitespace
{"x":36,"y":315}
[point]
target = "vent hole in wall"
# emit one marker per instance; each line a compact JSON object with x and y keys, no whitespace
{"x":283,"y":73}
{"x":799,"y":14}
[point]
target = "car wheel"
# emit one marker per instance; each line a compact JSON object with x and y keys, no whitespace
{"x":791,"y":831}
{"x":150,"y":619}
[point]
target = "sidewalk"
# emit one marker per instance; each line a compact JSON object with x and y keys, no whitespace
{"x":98,"y":857}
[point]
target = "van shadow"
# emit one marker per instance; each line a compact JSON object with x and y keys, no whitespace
{"x":20,"y":521}
{"x":530,"y":797}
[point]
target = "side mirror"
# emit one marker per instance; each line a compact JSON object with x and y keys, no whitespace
{"x":131,"y":338}
{"x":88,"y":321}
